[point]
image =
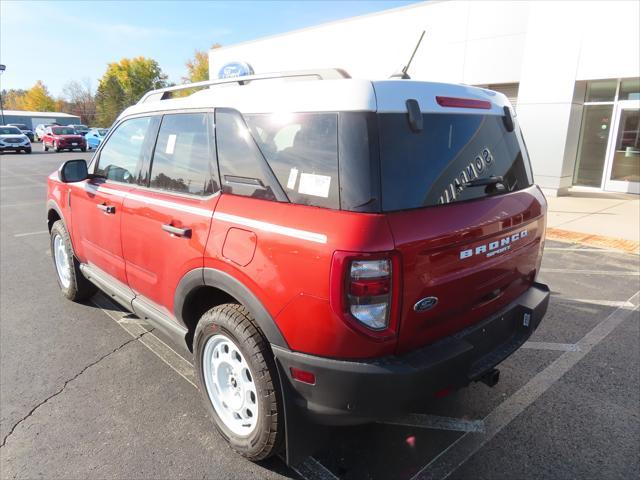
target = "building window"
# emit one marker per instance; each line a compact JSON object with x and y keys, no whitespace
{"x":601,"y":91}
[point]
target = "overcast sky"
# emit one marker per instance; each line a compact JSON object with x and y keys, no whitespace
{"x":60,"y":41}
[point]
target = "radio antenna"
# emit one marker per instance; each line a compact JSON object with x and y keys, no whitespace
{"x":403,"y":73}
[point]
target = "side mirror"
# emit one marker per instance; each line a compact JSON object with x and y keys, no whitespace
{"x":73,"y":171}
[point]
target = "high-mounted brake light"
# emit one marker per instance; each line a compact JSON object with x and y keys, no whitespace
{"x":365,"y":291}
{"x":463,"y":103}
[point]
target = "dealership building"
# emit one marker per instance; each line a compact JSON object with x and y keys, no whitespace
{"x":571,"y":69}
{"x":33,"y":119}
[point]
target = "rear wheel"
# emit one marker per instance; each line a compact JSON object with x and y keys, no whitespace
{"x":239,"y":381}
{"x":73,"y":284}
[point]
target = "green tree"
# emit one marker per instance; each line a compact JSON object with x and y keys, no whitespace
{"x":37,"y":99}
{"x":198,"y":66}
{"x":124,"y":83}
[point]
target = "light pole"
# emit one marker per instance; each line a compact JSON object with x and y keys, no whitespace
{"x":2,"y":69}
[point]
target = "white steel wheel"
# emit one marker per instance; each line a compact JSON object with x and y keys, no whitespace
{"x":63,"y":265}
{"x":230,"y":385}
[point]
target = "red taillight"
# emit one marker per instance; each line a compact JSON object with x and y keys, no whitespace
{"x":303,"y":376}
{"x":463,"y":103}
{"x":365,"y":291}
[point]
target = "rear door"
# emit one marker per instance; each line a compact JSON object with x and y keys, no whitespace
{"x":165,"y":224}
{"x":467,"y":249}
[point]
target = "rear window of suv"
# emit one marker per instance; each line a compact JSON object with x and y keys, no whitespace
{"x":430,"y":167}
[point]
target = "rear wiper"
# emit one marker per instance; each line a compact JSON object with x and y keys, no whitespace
{"x":481,"y":182}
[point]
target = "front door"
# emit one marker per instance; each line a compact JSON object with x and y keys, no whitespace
{"x":165,"y":224}
{"x":96,"y":204}
{"x":622,"y":172}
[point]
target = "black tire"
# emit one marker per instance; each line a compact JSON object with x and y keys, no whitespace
{"x":83,"y":149}
{"x":79,"y":288}
{"x":235,"y":322}
{"x":56,"y":147}
{"x":44,"y":146}
{"x":27,"y":150}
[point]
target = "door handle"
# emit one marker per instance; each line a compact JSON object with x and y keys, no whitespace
{"x":178,"y":232}
{"x":106,"y":208}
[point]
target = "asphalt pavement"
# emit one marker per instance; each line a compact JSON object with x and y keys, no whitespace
{"x":87,"y":391}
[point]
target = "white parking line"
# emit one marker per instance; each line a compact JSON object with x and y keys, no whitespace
{"x":31,"y":185}
{"x":448,"y":461}
{"x":592,"y":272}
{"x":27,"y":234}
{"x":604,"y":303}
{"x":561,"y":347}
{"x":577,"y":249}
{"x":23,"y":204}
{"x":437,"y":422}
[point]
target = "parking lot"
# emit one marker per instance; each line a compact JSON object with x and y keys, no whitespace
{"x":86,"y":391}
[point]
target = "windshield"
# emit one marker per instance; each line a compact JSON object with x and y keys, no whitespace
{"x":81,"y":127}
{"x":20,"y":126}
{"x":9,"y":131}
{"x":435,"y":165}
{"x":63,"y":131}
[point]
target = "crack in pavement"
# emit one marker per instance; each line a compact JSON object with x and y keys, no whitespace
{"x":64,"y":385}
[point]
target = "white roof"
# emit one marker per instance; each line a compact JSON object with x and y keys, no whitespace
{"x":25,"y":113}
{"x":280,"y":95}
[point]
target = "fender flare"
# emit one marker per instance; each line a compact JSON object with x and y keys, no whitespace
{"x":52,"y":205}
{"x":223,"y":281}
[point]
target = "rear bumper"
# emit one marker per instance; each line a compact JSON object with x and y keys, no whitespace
{"x":352,"y":392}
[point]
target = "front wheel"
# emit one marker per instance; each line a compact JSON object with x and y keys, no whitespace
{"x":72,"y":282}
{"x":239,"y":381}
{"x":44,"y":147}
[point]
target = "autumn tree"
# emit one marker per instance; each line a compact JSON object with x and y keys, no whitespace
{"x":80,"y":100}
{"x":36,"y":99}
{"x":123,"y":84}
{"x":198,"y":66}
{"x":12,"y":98}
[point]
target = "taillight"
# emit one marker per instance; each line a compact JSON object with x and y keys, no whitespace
{"x":369,"y":292}
{"x":365,"y":291}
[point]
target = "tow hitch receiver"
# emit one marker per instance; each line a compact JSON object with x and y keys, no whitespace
{"x":491,"y":377}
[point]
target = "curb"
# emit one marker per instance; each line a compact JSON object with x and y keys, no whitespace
{"x":627,"y":246}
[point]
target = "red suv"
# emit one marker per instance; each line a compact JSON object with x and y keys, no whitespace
{"x":333,"y":251}
{"x":63,"y":138}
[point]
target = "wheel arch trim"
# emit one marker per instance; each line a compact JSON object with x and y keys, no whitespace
{"x":225,"y":282}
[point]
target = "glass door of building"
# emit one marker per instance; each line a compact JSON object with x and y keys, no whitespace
{"x":623,"y":157}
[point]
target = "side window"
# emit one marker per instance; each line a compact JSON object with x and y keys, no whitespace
{"x":183,"y":155}
{"x":302,"y":151}
{"x":243,"y":170}
{"x":123,"y":150}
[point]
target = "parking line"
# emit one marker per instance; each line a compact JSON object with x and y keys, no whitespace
{"x":604,"y":303}
{"x":561,"y":347}
{"x":578,"y":249}
{"x":592,"y":272}
{"x":436,"y":422}
{"x":450,"y":459}
{"x":23,"y":204}
{"x":27,"y":234}
{"x":310,"y":469}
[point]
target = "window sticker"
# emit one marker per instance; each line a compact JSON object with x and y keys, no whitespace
{"x":293,"y":176}
{"x":171,"y":144}
{"x":316,"y":185}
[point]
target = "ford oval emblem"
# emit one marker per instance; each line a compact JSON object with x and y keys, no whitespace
{"x":235,"y":69}
{"x":425,"y":304}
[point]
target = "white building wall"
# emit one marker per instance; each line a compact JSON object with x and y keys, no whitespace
{"x":544,"y":46}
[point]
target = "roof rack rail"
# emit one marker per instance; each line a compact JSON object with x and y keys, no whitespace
{"x":321,"y":74}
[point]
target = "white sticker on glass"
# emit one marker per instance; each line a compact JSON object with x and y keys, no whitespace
{"x":171,"y":144}
{"x":316,"y":185}
{"x":293,"y":176}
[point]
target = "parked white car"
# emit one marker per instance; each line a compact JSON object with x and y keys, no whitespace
{"x":11,"y":138}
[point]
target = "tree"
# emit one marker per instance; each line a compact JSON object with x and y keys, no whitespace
{"x":12,"y":98}
{"x":80,"y":100}
{"x":198,"y":66}
{"x":124,"y":83}
{"x":37,"y":99}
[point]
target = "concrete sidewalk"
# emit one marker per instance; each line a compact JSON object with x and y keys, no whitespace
{"x":597,"y":218}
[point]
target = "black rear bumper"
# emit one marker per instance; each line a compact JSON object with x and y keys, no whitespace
{"x":351,"y":392}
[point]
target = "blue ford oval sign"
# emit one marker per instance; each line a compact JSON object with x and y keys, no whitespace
{"x":235,"y":69}
{"x":425,"y":304}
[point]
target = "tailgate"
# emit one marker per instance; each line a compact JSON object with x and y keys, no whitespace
{"x":473,"y":257}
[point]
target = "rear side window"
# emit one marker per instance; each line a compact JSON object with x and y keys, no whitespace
{"x":122,"y":152}
{"x":182,"y":157}
{"x":243,"y":169}
{"x":302,"y":151}
{"x":431,"y":167}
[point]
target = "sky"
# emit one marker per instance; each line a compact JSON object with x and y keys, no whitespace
{"x":59,"y":41}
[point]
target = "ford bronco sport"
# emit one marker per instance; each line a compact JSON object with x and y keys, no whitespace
{"x":330,"y":250}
